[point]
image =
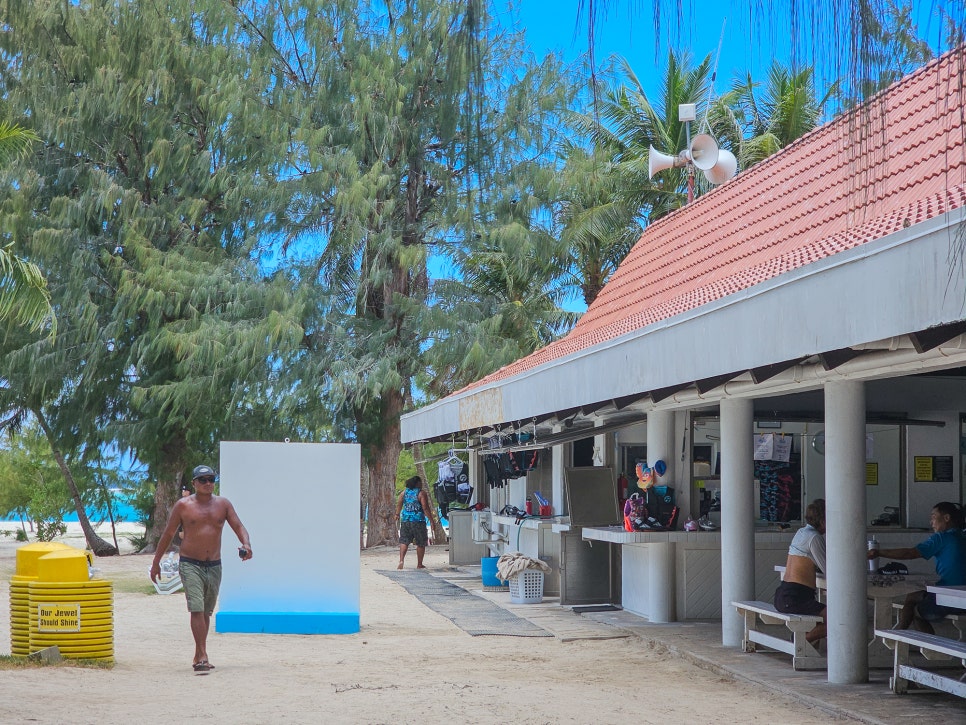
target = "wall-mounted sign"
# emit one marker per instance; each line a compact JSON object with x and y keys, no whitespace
{"x":871,"y":474}
{"x":933,"y":469}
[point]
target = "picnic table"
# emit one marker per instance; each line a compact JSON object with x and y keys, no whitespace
{"x":883,"y":590}
{"x":949,"y":596}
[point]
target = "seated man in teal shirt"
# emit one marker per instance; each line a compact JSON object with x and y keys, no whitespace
{"x":948,"y":545}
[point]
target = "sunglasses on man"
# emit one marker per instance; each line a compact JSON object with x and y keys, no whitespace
{"x":205,"y":479}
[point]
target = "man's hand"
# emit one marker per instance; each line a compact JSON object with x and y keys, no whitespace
{"x":155,"y":571}
{"x":245,"y":552}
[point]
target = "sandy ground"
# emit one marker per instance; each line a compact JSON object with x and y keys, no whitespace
{"x":407,"y":665}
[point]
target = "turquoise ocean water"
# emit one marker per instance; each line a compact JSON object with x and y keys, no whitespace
{"x":123,"y":511}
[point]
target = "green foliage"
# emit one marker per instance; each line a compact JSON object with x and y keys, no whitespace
{"x":31,"y":485}
{"x":888,"y":49}
{"x":756,"y":120}
{"x":24,"y":299}
{"x":406,"y":469}
{"x":598,"y":225}
{"x":141,"y":498}
{"x":50,"y":528}
{"x":630,"y":123}
{"x":138,"y":540}
{"x":146,"y":212}
{"x":401,"y":157}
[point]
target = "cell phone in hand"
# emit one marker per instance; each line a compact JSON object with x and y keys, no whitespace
{"x":242,"y":553}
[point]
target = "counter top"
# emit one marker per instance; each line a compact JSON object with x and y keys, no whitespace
{"x":527,"y":523}
{"x":617,"y":535}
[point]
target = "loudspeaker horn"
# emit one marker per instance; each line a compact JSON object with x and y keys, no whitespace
{"x":703,"y":151}
{"x":726,"y":167}
{"x":656,"y":161}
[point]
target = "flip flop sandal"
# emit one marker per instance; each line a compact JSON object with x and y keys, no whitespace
{"x":202,"y":667}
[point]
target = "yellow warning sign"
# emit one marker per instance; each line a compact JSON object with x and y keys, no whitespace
{"x":58,"y":617}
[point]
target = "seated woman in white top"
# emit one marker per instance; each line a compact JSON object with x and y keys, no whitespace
{"x":806,"y":558}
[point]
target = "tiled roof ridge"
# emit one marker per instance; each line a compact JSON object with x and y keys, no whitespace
{"x":828,"y":129}
{"x":767,"y":182}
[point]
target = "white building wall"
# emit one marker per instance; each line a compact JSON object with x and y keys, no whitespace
{"x":931,"y":441}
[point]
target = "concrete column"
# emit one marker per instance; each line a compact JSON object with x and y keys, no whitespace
{"x":845,"y":516}
{"x":737,"y":515}
{"x":660,"y":557}
{"x":660,"y":444}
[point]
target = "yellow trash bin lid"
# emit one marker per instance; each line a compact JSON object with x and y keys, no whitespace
{"x":63,"y":566}
{"x":28,"y":554}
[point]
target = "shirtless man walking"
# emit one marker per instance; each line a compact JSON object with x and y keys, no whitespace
{"x":202,"y":517}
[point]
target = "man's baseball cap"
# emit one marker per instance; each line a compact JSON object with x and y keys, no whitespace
{"x":202,"y":471}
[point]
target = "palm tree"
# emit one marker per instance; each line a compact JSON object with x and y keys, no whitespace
{"x":755,"y":122}
{"x":503,"y":301}
{"x":23,"y":290}
{"x":597,"y":224}
{"x":630,"y":123}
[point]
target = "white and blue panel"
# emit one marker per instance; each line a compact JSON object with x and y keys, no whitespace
{"x":300,"y":504}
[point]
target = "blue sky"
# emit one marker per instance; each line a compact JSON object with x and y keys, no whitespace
{"x":627,"y":28}
{"x":554,"y":25}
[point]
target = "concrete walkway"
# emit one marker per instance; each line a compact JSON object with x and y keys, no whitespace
{"x":700,"y":643}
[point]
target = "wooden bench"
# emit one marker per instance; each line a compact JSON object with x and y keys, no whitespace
{"x":805,"y":656}
{"x":932,"y":647}
{"x":957,"y":620}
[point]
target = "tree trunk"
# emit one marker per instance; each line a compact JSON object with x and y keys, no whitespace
{"x":439,"y":533}
{"x":382,"y":461}
{"x":94,"y":542}
{"x":363,"y":504}
{"x":166,"y":490}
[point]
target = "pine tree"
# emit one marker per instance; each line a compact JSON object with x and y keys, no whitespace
{"x":406,"y":112}
{"x":145,"y":212}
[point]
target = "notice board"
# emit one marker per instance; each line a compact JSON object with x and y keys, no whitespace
{"x":933,"y":469}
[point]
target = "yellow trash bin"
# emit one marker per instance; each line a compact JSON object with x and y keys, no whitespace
{"x":64,"y":566}
{"x":29,"y":554}
{"x":27,"y":557}
{"x":68,"y":609}
{"x":78,"y":617}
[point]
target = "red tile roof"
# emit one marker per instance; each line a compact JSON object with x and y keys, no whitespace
{"x":898,"y":161}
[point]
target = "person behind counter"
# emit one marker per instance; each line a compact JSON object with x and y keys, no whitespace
{"x":948,"y":545}
{"x":797,"y":594}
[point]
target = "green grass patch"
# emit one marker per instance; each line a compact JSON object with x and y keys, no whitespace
{"x":133,"y":586}
{"x":9,"y":662}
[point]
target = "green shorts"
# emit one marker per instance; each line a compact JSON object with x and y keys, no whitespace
{"x":201,"y":580}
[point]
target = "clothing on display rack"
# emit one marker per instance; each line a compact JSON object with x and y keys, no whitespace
{"x":453,"y":487}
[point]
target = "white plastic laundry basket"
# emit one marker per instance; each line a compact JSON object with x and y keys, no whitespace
{"x":527,"y":587}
